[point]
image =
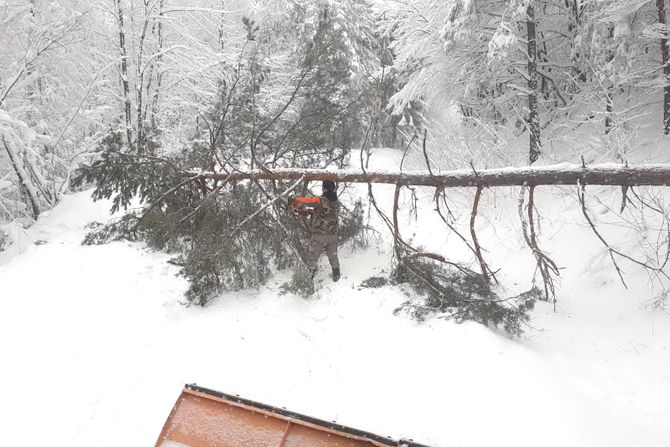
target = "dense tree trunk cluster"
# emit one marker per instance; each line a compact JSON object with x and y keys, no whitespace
{"x":534,"y":65}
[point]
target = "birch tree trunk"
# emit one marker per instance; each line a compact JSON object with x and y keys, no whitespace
{"x":533,"y":113}
{"x":158,"y":66}
{"x":124,"y":74}
{"x":609,"y":91}
{"x":665,"y":63}
{"x":31,"y":86}
{"x":139,"y":77}
{"x":609,"y":109}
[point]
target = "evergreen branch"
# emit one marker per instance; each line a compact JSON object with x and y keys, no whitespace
{"x":267,"y":204}
{"x":162,"y":197}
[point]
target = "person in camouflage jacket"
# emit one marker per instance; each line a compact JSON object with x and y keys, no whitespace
{"x":324,"y":212}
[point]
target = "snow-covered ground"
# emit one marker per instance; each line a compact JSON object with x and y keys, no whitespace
{"x":96,"y":345}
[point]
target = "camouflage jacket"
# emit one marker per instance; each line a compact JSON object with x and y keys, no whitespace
{"x":326,"y":212}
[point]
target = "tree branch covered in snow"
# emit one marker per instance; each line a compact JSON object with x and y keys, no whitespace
{"x":565,"y":174}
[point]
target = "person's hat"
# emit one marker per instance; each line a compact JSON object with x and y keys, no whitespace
{"x":328,"y":185}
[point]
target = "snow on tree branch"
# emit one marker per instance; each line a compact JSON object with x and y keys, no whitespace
{"x":563,"y":174}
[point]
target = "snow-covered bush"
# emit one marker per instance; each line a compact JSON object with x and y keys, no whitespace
{"x":30,"y":174}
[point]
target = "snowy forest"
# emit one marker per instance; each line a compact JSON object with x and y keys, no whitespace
{"x":491,"y":158}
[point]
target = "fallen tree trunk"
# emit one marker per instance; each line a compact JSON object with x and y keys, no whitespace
{"x":564,"y":174}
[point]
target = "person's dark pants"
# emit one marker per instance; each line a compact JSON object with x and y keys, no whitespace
{"x":317,"y":244}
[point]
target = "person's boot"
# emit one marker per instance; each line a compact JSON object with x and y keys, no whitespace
{"x":336,"y":274}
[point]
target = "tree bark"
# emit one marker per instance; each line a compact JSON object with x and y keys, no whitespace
{"x":564,"y":174}
{"x":31,"y":87}
{"x":609,"y":90}
{"x":533,"y":113}
{"x":159,"y":68}
{"x":22,"y":175}
{"x":124,"y":75}
{"x":665,"y":63}
{"x":609,"y":109}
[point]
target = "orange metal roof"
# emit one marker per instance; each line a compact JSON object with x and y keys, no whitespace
{"x":206,"y":418}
